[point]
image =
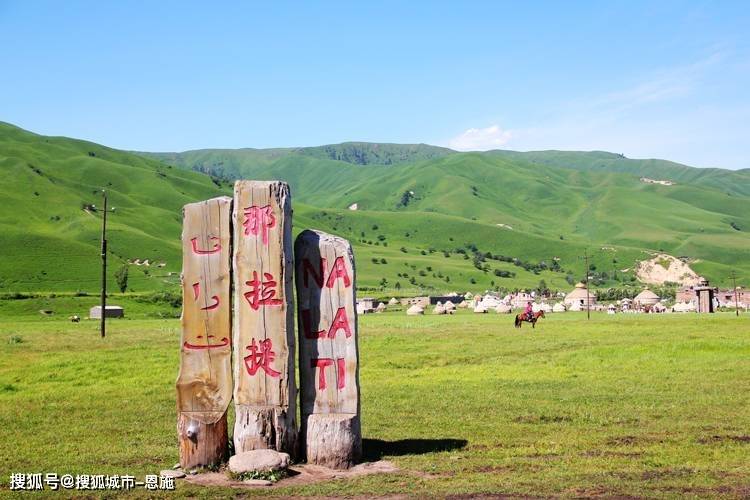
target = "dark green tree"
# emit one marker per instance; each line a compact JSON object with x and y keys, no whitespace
{"x":121,"y":277}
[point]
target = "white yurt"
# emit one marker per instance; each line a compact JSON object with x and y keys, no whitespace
{"x":503,"y":309}
{"x":576,"y":306}
{"x":542,"y":307}
{"x":611,"y":309}
{"x":489,"y":302}
{"x":683,"y":307}
{"x":559,"y":308}
{"x":480,"y":309}
{"x":469,"y":296}
{"x":439,"y":309}
{"x":579,"y":296}
{"x":449,"y":306}
{"x":463,"y":304}
{"x":381,"y":307}
{"x":415,"y":310}
{"x":393,"y":301}
{"x":646,"y":298}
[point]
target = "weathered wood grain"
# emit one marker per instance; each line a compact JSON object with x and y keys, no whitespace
{"x":264,"y":390}
{"x":202,"y":444}
{"x":328,"y":349}
{"x":204,"y":383}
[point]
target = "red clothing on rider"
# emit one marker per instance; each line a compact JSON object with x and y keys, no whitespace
{"x":529,"y":310}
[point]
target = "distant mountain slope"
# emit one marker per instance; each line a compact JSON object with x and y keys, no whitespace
{"x":369,"y":153}
{"x":729,"y":181}
{"x":593,"y":198}
{"x":238,"y":163}
{"x":429,"y":218}
{"x":49,"y":242}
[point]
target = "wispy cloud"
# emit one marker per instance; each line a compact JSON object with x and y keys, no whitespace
{"x":677,"y":113}
{"x":662,"y":86}
{"x":480,"y":139}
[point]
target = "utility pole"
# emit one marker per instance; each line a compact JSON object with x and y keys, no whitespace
{"x":103,"y":311}
{"x":588,"y":293}
{"x":733,"y":277}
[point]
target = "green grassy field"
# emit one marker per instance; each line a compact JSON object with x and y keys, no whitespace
{"x":654,"y":406}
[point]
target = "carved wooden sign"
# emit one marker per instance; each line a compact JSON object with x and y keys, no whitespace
{"x":264,"y":385}
{"x":204,"y":383}
{"x":328,"y":349}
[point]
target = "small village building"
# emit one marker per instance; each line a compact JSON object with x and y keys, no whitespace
{"x":419,"y":301}
{"x":579,"y":297}
{"x":110,"y":312}
{"x":559,"y":308}
{"x":456,"y":299}
{"x":365,"y":305}
{"x":730,"y":298}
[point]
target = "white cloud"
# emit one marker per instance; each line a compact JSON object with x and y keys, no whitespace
{"x":480,"y":139}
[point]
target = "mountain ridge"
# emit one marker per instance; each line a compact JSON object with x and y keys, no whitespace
{"x":430,"y":222}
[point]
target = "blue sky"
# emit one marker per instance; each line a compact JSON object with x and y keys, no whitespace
{"x":664,"y":79}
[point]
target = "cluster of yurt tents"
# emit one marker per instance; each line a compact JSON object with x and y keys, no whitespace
{"x":579,"y":299}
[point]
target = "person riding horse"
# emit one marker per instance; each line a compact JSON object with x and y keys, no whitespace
{"x":529,"y":311}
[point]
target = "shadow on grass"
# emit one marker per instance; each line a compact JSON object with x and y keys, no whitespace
{"x":375,"y":449}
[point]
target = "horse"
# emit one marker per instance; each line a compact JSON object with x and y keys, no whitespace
{"x":520,"y":318}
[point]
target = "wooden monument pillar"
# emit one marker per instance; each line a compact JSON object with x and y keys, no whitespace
{"x":328,"y":350}
{"x":204,"y":384}
{"x":264,"y":386}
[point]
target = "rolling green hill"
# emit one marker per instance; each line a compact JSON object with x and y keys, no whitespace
{"x":426,"y":217}
{"x":49,"y":242}
{"x":564,"y":199}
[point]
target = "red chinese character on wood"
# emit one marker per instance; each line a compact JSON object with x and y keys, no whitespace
{"x":322,"y":364}
{"x":216,"y":246}
{"x":258,"y":220}
{"x":261,"y":355}
{"x":262,"y":293}
{"x":215,"y":301}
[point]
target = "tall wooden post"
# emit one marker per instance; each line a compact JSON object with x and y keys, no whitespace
{"x":204,"y":384}
{"x":264,"y":385}
{"x":328,"y":350}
